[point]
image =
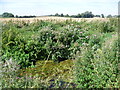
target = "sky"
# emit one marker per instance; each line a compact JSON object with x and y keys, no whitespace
{"x":48,"y":7}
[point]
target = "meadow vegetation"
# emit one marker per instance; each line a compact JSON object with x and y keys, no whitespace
{"x":59,"y":54}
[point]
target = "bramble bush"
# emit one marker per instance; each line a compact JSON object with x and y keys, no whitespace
{"x":28,"y":42}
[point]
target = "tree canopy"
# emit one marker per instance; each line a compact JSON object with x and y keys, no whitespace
{"x":6,"y":14}
{"x":86,"y":14}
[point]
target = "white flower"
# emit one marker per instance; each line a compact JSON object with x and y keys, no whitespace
{"x":83,"y":43}
{"x":86,"y":36}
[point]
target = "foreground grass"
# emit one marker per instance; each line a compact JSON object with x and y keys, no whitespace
{"x":51,"y":70}
{"x":45,"y":74}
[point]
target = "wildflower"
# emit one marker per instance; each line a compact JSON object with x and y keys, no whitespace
{"x":81,"y":32}
{"x":83,"y":43}
{"x":80,"y":47}
{"x":17,"y":78}
{"x":95,"y":35}
{"x":18,"y":65}
{"x":20,"y":78}
{"x":87,"y":37}
{"x":80,"y":38}
{"x":30,"y":78}
{"x":87,"y":44}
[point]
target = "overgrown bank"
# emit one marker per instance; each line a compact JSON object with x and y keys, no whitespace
{"x":86,"y":42}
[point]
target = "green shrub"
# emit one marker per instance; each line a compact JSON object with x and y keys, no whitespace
{"x":98,"y":68}
{"x":28,"y":42}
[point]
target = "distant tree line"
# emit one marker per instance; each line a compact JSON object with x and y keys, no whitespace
{"x":110,"y":16}
{"x":25,"y":16}
{"x":7,"y":15}
{"x":86,"y":14}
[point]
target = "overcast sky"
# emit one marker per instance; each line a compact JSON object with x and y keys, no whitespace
{"x":47,"y":7}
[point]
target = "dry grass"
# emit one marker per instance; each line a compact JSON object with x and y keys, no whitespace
{"x":51,"y":18}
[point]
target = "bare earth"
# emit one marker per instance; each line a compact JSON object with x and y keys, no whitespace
{"x":51,"y":18}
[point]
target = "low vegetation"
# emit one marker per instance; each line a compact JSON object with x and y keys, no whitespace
{"x":62,"y":54}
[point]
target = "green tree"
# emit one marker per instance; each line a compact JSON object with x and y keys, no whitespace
{"x":62,"y":15}
{"x":6,"y":14}
{"x":97,"y":15}
{"x":66,"y":15}
{"x":109,"y":16}
{"x":16,"y":16}
{"x":87,"y":14}
{"x":102,"y":15}
{"x":79,"y":16}
{"x":56,"y":14}
{"x":74,"y":16}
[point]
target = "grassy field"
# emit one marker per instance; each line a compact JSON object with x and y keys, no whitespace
{"x":52,"y":18}
{"x":57,"y":52}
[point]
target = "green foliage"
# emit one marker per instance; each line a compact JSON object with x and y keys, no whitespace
{"x":87,"y":14}
{"x":66,"y":15}
{"x":93,"y":45}
{"x":28,"y":42}
{"x":56,"y":14}
{"x":98,"y":68}
{"x":102,"y":15}
{"x":62,"y":15}
{"x":97,"y":15}
{"x":6,"y":14}
{"x":25,"y":16}
{"x":109,"y":16}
